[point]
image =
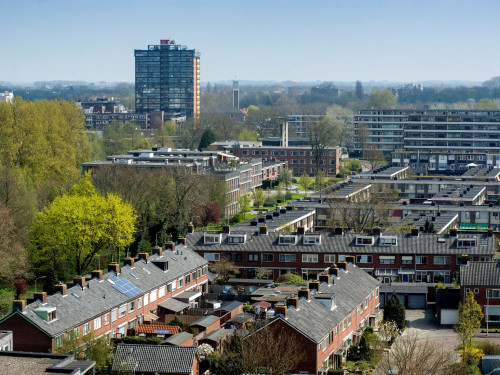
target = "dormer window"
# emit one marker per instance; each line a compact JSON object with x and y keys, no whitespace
{"x":212,"y":238}
{"x":46,"y":313}
{"x":388,"y":241}
{"x":365,"y":240}
{"x":314,"y":239}
{"x":236,"y":238}
{"x":466,"y":242}
{"x":287,"y":239}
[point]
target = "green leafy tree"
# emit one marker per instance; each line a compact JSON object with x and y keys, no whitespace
{"x":382,"y":99}
{"x":291,"y":278}
{"x":207,"y":139}
{"x":224,"y":269}
{"x":285,"y":177}
{"x":258,"y":197}
{"x":248,"y":135}
{"x":320,"y":179}
{"x":469,"y":319}
{"x":119,"y":138}
{"x":305,"y":180}
{"x":395,"y":311}
{"x":263,"y":273}
{"x":79,"y":225}
{"x":244,"y":202}
{"x":323,"y":134}
{"x":177,"y":322}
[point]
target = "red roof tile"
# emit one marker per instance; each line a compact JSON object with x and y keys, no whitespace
{"x":157,"y":328}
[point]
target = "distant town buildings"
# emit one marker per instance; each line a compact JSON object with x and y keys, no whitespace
{"x":6,"y":97}
{"x":167,"y":79}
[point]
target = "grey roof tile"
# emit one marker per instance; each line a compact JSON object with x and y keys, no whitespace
{"x":480,"y":274}
{"x":205,"y":321}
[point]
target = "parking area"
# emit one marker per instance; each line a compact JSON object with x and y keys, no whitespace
{"x":424,"y":324}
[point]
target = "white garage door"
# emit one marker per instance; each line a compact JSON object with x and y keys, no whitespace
{"x":449,"y":316}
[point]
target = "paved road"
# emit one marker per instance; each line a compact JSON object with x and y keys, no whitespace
{"x":424,"y":324}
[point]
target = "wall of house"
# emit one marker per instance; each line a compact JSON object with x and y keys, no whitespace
{"x":481,"y":297}
{"x":27,"y":337}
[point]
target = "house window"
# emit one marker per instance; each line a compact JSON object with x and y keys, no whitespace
{"x":97,"y":323}
{"x":152,"y":296}
{"x":204,"y":271}
{"x":364,"y":259}
{"x":233,"y":238}
{"x":421,"y":259}
{"x":310,"y":258}
{"x":287,"y":240}
{"x":364,"y":240}
{"x":212,"y":238}
{"x":387,"y":259}
{"x":86,"y":328}
{"x":254,"y":257}
{"x":169,"y":288}
{"x":131,"y":306}
{"x":493,"y":293}
{"x":407,"y":259}
{"x":58,"y":341}
{"x":212,"y":257}
{"x":146,"y":299}
{"x":287,"y":257}
{"x":180,"y":283}
{"x":388,"y":241}
{"x":106,"y":319}
{"x":441,"y":260}
{"x":464,"y":243}
{"x":161,"y":291}
{"x":188,"y":279}
{"x":476,"y":291}
{"x":139,"y":302}
{"x":114,"y":314}
{"x":330,"y":258}
{"x":234,"y":257}
{"x":311,"y":240}
{"x":268,"y":257}
{"x":366,"y":302}
{"x":344,"y":324}
{"x":122,"y":311}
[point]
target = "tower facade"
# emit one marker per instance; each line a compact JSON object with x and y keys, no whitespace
{"x":236,"y":94}
{"x":167,"y":78}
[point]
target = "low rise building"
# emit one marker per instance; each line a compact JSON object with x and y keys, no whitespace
{"x":14,"y":363}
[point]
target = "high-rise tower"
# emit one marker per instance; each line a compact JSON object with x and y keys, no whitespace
{"x":167,"y":78}
{"x":236,"y":94}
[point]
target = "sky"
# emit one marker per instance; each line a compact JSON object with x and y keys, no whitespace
{"x":271,"y":40}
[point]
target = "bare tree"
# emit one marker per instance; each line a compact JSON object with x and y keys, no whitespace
{"x":323,"y":134}
{"x":411,"y":356}
{"x":224,"y":269}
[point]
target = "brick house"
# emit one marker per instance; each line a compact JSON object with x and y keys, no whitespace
{"x":329,"y":315}
{"x":107,"y":304}
{"x":483,"y":279}
{"x":415,"y":257}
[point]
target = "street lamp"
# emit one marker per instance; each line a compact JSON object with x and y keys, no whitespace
{"x":39,"y":277}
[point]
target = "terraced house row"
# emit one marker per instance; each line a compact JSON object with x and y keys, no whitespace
{"x":413,"y":257}
{"x":108,"y":304}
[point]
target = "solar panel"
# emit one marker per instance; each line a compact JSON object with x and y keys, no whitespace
{"x":126,"y":287}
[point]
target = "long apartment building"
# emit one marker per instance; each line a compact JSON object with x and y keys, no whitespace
{"x":109,"y":303}
{"x":449,"y":130}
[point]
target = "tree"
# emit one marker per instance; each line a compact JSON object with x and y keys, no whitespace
{"x":372,"y":154}
{"x":263,"y":273}
{"x":207,"y":139}
{"x":244,"y":202}
{"x":395,"y":311}
{"x":210,"y":213}
{"x":248,"y":135}
{"x":291,"y":278}
{"x":305,"y":181}
{"x":320,"y":179}
{"x":177,"y":322}
{"x":119,"y":138}
{"x":224,"y":269}
{"x":258,"y":197}
{"x":382,"y":100}
{"x":285,"y":177}
{"x":358,"y":91}
{"x":411,"y":356}
{"x":77,"y":226}
{"x":323,"y":134}
{"x":429,"y":227}
{"x":469,"y":319}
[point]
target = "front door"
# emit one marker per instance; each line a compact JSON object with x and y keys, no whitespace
{"x":405,"y":278}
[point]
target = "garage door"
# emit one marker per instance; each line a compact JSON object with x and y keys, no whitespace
{"x":449,"y":316}
{"x":416,"y":301}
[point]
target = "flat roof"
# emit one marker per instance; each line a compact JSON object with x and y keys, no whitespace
{"x":275,"y":222}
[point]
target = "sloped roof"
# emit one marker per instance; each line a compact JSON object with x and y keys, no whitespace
{"x":346,"y":244}
{"x":178,"y":339}
{"x":205,"y":321}
{"x":165,"y":359}
{"x":173,"y":304}
{"x":315,"y":320}
{"x":99,"y":297}
{"x":153,"y":328}
{"x":480,"y":274}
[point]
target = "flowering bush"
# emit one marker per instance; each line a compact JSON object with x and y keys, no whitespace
{"x":205,"y":349}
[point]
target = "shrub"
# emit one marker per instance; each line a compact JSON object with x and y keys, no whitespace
{"x":137,"y":340}
{"x":488,"y":347}
{"x":395,"y":311}
{"x":247,"y":308}
{"x":177,"y":322}
{"x":288,"y":195}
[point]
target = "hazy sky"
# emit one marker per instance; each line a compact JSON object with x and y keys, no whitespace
{"x":302,"y":40}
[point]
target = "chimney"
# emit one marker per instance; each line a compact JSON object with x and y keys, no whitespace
{"x":182,"y":241}
{"x":376,"y":231}
{"x":292,"y":301}
{"x":115,"y":267}
{"x":226,"y":229}
{"x":414,"y":232}
{"x":350,"y":259}
{"x":335,"y":271}
{"x":278,"y":310}
{"x":144,"y":256}
{"x":61,"y":288}
{"x":263,"y":230}
{"x":338,"y":231}
{"x":465,"y":259}
{"x":79,"y":280}
{"x":304,"y":293}
{"x":301,"y":230}
{"x":19,"y":305}
{"x":158,"y":251}
{"x":325,"y":278}
{"x":40,"y":296}
{"x":453,"y":232}
{"x":342,"y":265}
{"x":314,"y":285}
{"x":97,"y":274}
{"x":129,"y":262}
{"x":490,"y":232}
{"x":190,"y":228}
